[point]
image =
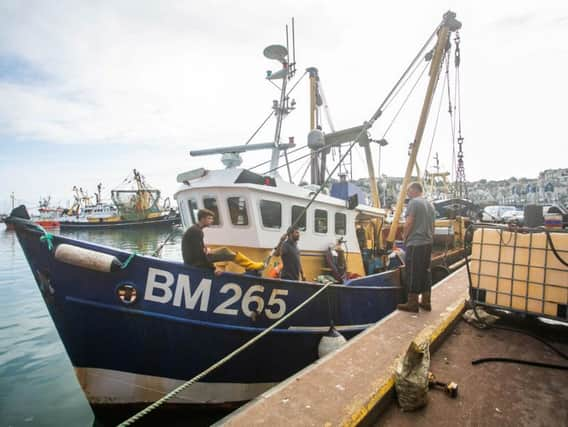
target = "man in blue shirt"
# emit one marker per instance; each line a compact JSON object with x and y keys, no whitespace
{"x":418,"y":237}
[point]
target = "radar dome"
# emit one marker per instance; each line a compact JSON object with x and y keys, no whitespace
{"x":316,"y":139}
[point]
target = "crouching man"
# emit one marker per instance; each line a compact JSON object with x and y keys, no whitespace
{"x":196,"y":254}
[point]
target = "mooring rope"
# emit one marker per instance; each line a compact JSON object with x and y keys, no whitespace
{"x":221,"y":362}
{"x":159,"y":249}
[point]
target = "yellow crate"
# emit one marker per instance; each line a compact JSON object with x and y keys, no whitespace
{"x":520,"y":270}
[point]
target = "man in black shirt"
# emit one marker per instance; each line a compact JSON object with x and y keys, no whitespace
{"x":288,"y":250}
{"x":195,"y":252}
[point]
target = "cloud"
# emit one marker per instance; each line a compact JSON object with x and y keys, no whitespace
{"x":128,"y":72}
{"x":182,"y":75}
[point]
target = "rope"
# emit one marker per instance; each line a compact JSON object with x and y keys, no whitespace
{"x":268,"y":161}
{"x":405,"y":100}
{"x":239,"y":350}
{"x":47,"y":237}
{"x":259,"y":128}
{"x":125,"y":263}
{"x":156,"y":253}
{"x":399,"y":89}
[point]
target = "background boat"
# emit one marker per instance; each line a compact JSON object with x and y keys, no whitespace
{"x":134,"y":204}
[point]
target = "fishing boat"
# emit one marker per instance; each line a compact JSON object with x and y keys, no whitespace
{"x":137,"y":326}
{"x":135,"y":204}
{"x":48,"y":216}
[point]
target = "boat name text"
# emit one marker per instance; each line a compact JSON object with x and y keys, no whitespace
{"x":252,"y":302}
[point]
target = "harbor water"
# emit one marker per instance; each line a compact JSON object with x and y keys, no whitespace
{"x":37,"y":382}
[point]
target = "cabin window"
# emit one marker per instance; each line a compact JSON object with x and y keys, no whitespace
{"x":183,"y":214}
{"x":320,"y":221}
{"x":340,"y":223}
{"x":271,"y":214}
{"x":211,"y":204}
{"x":238,"y":210}
{"x":299,"y":217}
{"x":192,"y":208}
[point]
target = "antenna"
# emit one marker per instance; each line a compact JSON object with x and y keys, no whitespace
{"x":293,"y":44}
{"x":287,"y":44}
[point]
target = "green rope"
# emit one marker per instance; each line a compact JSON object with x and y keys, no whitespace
{"x":47,"y":237}
{"x":182,"y":387}
{"x":125,"y":263}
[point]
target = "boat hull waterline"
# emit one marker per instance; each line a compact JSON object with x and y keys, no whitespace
{"x":177,"y":321}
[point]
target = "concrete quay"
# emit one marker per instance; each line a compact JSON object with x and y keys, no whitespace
{"x":355,"y":384}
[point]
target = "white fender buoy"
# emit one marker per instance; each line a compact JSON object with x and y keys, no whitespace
{"x":331,"y":341}
{"x":86,"y":258}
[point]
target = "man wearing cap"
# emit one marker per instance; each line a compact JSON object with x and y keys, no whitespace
{"x":288,"y":250}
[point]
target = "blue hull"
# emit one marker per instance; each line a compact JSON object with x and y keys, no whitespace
{"x":183,"y":319}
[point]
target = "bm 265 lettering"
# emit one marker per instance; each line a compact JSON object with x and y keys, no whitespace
{"x":159,"y":289}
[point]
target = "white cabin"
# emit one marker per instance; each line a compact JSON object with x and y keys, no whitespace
{"x":254,"y":211}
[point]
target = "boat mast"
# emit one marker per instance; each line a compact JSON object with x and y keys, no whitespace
{"x":315,"y":137}
{"x":449,"y":24}
{"x":279,"y":110}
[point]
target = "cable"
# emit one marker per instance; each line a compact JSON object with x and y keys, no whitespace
{"x":435,"y":126}
{"x":405,"y":100}
{"x":416,"y":66}
{"x":519,"y":361}
{"x":259,"y":128}
{"x":554,"y":251}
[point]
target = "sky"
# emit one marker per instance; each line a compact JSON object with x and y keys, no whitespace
{"x":91,"y":90}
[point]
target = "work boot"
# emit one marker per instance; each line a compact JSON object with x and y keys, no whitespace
{"x":411,"y":305}
{"x":425,"y":303}
{"x":242,"y":260}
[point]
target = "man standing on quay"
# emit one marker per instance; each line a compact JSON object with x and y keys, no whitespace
{"x":418,"y":237}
